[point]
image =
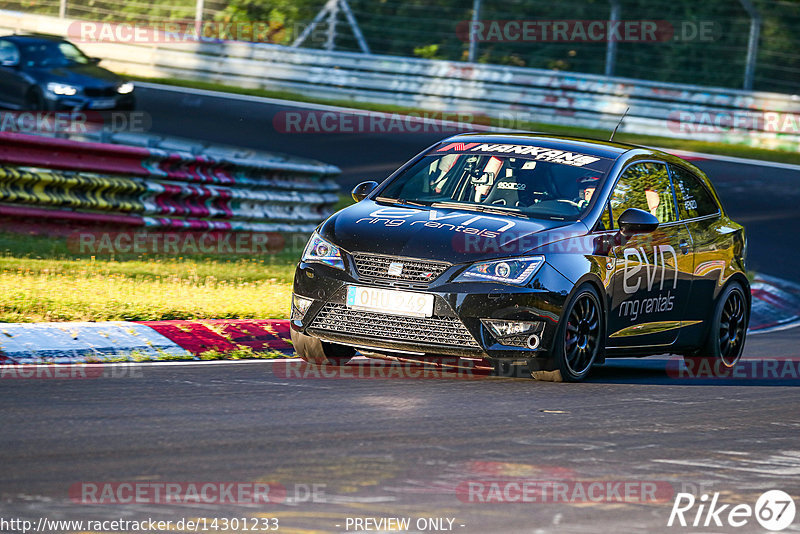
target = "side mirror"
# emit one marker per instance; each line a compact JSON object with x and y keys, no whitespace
{"x":94,"y":60}
{"x":635,"y":221}
{"x":363,"y":189}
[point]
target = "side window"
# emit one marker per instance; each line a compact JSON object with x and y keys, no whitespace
{"x":645,"y":186}
{"x":694,"y":200}
{"x":9,"y":55}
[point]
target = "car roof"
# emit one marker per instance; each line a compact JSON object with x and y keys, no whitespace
{"x":33,"y":38}
{"x":592,"y":147}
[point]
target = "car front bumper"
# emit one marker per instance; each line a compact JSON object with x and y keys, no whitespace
{"x":456,"y":327}
{"x":126,"y":102}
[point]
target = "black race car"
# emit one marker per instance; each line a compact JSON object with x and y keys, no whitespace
{"x":46,"y":72}
{"x":527,"y":249}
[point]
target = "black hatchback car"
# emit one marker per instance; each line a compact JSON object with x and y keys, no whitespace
{"x":46,"y":72}
{"x":527,"y":249}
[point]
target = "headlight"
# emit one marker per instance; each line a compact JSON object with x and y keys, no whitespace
{"x":61,"y":89}
{"x":125,"y":88}
{"x":516,"y":271}
{"x":320,"y":251}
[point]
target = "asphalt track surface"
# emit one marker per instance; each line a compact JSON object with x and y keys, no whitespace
{"x":402,"y":447}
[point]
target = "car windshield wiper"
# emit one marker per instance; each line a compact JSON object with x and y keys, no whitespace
{"x":482,"y":209}
{"x":403,"y":201}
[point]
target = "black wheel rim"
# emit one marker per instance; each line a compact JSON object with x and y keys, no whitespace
{"x":732,"y":325}
{"x":582,"y":335}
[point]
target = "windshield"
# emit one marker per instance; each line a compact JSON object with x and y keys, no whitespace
{"x":52,"y":54}
{"x":557,"y":185}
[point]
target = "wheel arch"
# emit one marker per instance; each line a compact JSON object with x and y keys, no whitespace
{"x":595,"y":283}
{"x":744,"y":282}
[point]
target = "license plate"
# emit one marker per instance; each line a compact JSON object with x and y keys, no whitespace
{"x":103,"y":103}
{"x":390,"y":301}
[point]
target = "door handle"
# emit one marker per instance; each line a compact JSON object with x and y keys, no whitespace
{"x":684,"y":246}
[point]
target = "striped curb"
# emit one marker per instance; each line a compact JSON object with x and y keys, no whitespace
{"x":83,"y":342}
{"x":149,"y":340}
{"x":226,"y":335}
{"x":776,"y":306}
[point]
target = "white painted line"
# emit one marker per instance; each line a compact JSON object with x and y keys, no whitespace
{"x":776,"y":328}
{"x":147,"y":363}
{"x":204,"y":362}
{"x":731,"y":159}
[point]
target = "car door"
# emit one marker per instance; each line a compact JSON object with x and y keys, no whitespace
{"x":13,"y":85}
{"x":652,"y":277}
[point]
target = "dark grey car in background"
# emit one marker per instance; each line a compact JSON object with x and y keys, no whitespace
{"x":46,"y":72}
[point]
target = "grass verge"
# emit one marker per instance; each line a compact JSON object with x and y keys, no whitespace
{"x":40,"y":280}
{"x":636,"y":139}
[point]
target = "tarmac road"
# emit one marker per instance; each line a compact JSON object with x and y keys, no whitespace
{"x":401,"y":448}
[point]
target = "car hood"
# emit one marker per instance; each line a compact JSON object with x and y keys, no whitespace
{"x":78,"y":75}
{"x":443,"y":234}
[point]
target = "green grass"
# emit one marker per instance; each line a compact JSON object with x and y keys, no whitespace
{"x":40,"y":280}
{"x":741,"y":151}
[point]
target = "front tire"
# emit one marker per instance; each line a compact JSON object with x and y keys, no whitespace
{"x":579,"y":338}
{"x":34,"y":100}
{"x":315,"y":351}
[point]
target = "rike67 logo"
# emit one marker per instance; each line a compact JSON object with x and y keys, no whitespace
{"x":774,"y":510}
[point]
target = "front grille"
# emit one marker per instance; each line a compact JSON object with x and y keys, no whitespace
{"x":377,"y":267}
{"x":100,"y":91}
{"x":439,"y":330}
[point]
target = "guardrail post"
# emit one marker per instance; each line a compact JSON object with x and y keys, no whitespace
{"x":62,"y":9}
{"x":198,"y":14}
{"x":362,"y":43}
{"x":752,"y":44}
{"x":333,"y":10}
{"x":611,"y":44}
{"x":473,"y":45}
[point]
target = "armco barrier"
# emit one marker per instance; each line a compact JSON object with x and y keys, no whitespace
{"x":509,"y":93}
{"x":161,"y":184}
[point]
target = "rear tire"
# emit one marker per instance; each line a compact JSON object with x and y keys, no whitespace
{"x":579,"y":339}
{"x":726,"y":336}
{"x":315,"y":351}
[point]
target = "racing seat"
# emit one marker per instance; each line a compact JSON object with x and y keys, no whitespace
{"x":505,"y":193}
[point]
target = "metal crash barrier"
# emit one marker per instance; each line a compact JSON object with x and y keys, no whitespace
{"x":513,"y":95}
